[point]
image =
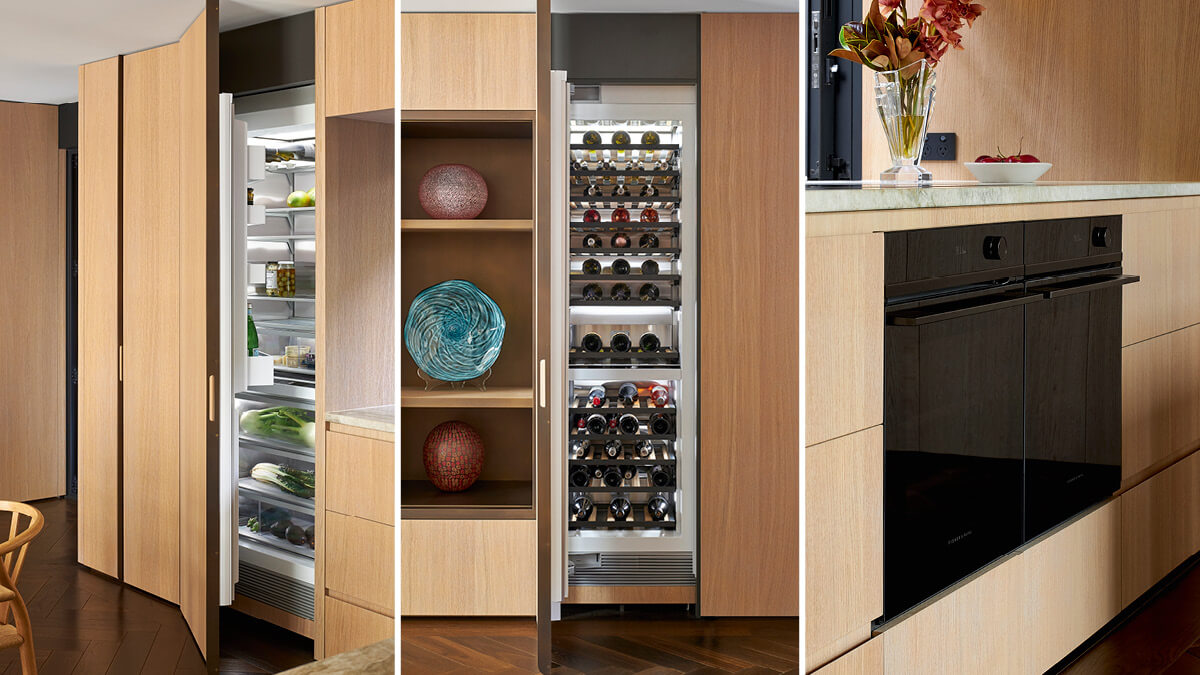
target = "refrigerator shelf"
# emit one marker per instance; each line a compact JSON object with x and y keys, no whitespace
{"x":289,"y":210}
{"x":594,"y":455}
{"x":284,"y":449}
{"x":638,"y":519}
{"x":298,"y":371}
{"x":671,"y":147}
{"x":624,"y":438}
{"x":294,"y":326}
{"x":623,"y":251}
{"x":300,"y":167}
{"x":639,"y":486}
{"x":633,"y":225}
{"x":583,"y":201}
{"x":606,"y":356}
{"x":276,"y":495}
{"x":623,"y":277}
{"x":280,"y":237}
{"x":579,"y":302}
{"x":275,"y":542}
{"x":643,"y":404}
{"x":664,"y":173}
{"x":280,"y":298}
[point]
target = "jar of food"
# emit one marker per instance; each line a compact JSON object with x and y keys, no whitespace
{"x":287,"y":279}
{"x":273,"y":279}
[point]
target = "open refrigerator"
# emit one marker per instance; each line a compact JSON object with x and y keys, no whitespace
{"x":268,"y":400}
{"x":624,"y":289}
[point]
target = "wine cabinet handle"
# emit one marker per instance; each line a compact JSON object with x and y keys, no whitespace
{"x":212,"y":398}
{"x":542,"y":382}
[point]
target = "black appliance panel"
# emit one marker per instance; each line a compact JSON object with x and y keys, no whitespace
{"x":953,"y":420}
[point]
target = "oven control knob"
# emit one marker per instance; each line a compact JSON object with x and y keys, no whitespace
{"x":995,"y":248}
{"x":1100,"y":237}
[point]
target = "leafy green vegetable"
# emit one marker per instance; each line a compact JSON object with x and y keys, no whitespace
{"x":295,"y":481}
{"x":253,"y":524}
{"x":281,"y":423}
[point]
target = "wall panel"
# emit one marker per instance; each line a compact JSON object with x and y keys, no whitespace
{"x":150,"y":298}
{"x":360,"y":56}
{"x":98,"y":392}
{"x":749,"y":326}
{"x":468,"y":61}
{"x":33,"y":374}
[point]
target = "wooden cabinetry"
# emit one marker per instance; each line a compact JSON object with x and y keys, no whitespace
{"x":357,"y":42}
{"x":866,"y":659}
{"x":468,"y":61}
{"x":1160,"y":526}
{"x":844,"y":339}
{"x":468,"y":568}
{"x":349,"y":627}
{"x":1162,"y":248}
{"x":749,"y":329}
{"x":1160,"y":402}
{"x":843,"y":542}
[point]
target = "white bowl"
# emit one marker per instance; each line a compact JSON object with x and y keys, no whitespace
{"x":1004,"y":172}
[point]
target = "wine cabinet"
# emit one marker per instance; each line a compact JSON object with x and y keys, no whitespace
{"x":624,"y":236}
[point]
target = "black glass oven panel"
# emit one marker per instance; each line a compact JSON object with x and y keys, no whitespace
{"x":953,"y":450}
{"x":1073,"y":412}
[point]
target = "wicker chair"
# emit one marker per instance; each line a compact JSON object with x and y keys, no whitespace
{"x":12,"y":555}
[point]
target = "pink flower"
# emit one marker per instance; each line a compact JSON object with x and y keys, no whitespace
{"x":889,"y":5}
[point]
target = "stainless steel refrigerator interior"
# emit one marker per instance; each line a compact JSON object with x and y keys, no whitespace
{"x":268,"y":425}
{"x":624,"y":248}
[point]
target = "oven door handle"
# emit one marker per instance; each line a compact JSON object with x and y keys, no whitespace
{"x":921,"y":316}
{"x":1109,"y":282}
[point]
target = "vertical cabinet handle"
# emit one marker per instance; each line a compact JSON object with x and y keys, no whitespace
{"x":542,"y":382}
{"x":120,"y":363}
{"x":212,"y":398}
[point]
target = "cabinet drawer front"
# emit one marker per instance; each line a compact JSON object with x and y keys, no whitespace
{"x":348,"y":627}
{"x":359,"y":477}
{"x":468,"y":567}
{"x":359,"y":561}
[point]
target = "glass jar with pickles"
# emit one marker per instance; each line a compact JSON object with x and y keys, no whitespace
{"x":272,"y":279}
{"x":286,"y":279}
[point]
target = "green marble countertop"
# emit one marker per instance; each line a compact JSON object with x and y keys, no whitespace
{"x":841,"y":196}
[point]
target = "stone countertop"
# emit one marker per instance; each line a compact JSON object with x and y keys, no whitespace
{"x":842,"y":196}
{"x":377,"y":418}
{"x":375,"y":659}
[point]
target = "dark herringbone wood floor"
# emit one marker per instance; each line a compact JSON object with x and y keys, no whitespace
{"x":87,"y":624}
{"x":658,"y":640}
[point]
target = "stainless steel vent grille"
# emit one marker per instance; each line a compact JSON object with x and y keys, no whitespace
{"x":275,"y":590}
{"x":632,"y":569}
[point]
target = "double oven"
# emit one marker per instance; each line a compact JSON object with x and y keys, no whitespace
{"x":1002,"y":391}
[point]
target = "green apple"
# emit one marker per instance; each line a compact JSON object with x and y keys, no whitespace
{"x":297,"y":199}
{"x":312,"y":196}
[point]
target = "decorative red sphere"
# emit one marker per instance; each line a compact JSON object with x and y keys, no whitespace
{"x":620,"y":215}
{"x":453,"y":456}
{"x":649,"y":216}
{"x":591,"y":216}
{"x":453,"y":191}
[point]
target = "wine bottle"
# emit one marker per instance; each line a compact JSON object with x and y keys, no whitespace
{"x":596,"y":424}
{"x":287,"y":152}
{"x":593,"y":292}
{"x":612,"y":449}
{"x":648,"y":190}
{"x":649,"y":342}
{"x":591,"y":216}
{"x":627,"y":393}
{"x":612,"y":476}
{"x":620,"y":342}
{"x":576,"y":165}
{"x":660,"y":476}
{"x":619,"y":508}
{"x":580,"y":476}
{"x":251,"y":332}
{"x":648,"y":293}
{"x":629,"y":424}
{"x":620,"y":266}
{"x":650,"y":138}
{"x":621,"y":240}
{"x":581,"y":508}
{"x":591,"y":138}
{"x":658,"y":508}
{"x":597,"y":471}
{"x":644,"y":449}
{"x":592,"y":240}
{"x":620,"y":190}
{"x":660,"y":424}
{"x":658,"y":393}
{"x":621,"y":138}
{"x":592,"y":190}
{"x":597,"y":397}
{"x":628,"y":471}
{"x":649,"y":267}
{"x":648,"y":240}
{"x":591,"y":343}
{"x":621,"y":292}
{"x":580,"y":422}
{"x":611,"y":418}
{"x":619,"y":215}
{"x":578,"y":449}
{"x":591,"y":267}
{"x":648,"y":215}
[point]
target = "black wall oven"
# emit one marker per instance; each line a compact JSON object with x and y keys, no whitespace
{"x":1001,"y":391}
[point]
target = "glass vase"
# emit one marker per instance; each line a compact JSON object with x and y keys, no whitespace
{"x":904,"y":98}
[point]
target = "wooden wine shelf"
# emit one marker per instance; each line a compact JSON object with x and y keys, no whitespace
{"x":431,"y":225}
{"x":495,"y":397}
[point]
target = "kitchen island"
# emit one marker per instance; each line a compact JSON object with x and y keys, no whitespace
{"x":1028,"y":609}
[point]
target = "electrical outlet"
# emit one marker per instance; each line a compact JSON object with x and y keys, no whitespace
{"x":940,"y":147}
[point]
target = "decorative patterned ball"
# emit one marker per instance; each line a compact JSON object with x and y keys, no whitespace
{"x":453,"y":456}
{"x":453,"y":191}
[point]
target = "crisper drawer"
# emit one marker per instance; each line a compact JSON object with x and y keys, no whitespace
{"x":359,"y":477}
{"x":288,"y":427}
{"x":468,"y":568}
{"x":359,"y":565}
{"x":282,"y":526}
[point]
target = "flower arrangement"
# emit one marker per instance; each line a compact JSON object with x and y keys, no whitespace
{"x":893,"y":41}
